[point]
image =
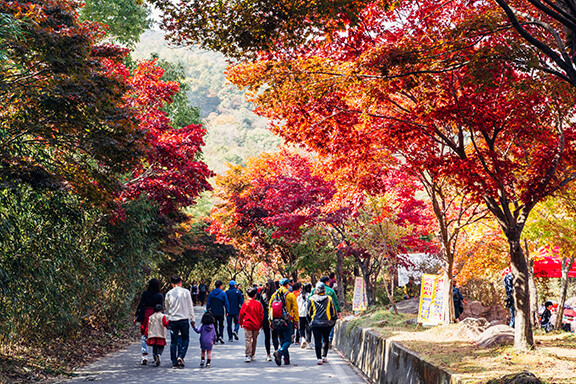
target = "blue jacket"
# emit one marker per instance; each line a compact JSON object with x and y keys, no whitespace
{"x":217,"y":301}
{"x":235,"y":300}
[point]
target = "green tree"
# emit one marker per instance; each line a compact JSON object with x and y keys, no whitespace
{"x":126,"y":20}
{"x":180,"y":111}
{"x":64,"y":266}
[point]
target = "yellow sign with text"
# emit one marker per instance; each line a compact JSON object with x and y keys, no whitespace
{"x":431,"y":297}
{"x":360,"y":302}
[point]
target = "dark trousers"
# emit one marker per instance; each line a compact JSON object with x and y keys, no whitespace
{"x":229,"y":320}
{"x":457,"y":309}
{"x":180,"y":338}
{"x":194,"y":298}
{"x":266,"y":329}
{"x":202,"y":297}
{"x":275,"y":339}
{"x":305,"y":330}
{"x":285,"y":335}
{"x":219,"y":326}
{"x":157,"y":349}
{"x":321,"y":341}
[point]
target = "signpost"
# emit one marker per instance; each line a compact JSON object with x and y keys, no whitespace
{"x":360,"y":302}
{"x":431,"y":296}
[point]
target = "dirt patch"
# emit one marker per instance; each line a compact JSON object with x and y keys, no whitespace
{"x":553,"y":361}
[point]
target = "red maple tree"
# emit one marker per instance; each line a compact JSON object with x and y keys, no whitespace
{"x":450,"y":100}
{"x":171,"y":173}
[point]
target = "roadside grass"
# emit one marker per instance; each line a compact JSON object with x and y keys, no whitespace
{"x":553,"y":360}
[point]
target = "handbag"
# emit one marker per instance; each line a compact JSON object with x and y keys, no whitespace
{"x":140,"y":315}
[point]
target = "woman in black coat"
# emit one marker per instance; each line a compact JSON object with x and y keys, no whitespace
{"x":148,"y":300}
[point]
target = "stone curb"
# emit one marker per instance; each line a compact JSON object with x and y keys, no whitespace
{"x":384,"y":361}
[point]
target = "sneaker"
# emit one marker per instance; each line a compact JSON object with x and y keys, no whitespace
{"x":180,"y":362}
{"x":248,"y":359}
{"x":221,"y":340}
{"x":308,"y":346}
{"x":207,"y":365}
{"x":236,"y":335}
{"x":230,"y":340}
{"x":324,"y":359}
{"x":201,"y":363}
{"x":252,"y":358}
{"x":319,"y":361}
{"x":144,"y":360}
{"x":268,"y":358}
{"x":286,"y":362}
{"x":277,"y":358}
{"x":175,"y":367}
{"x":157,"y":360}
{"x":303,"y":345}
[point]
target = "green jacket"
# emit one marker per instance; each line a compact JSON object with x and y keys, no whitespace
{"x":330,"y":292}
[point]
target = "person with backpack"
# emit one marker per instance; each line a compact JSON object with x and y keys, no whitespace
{"x":235,"y":301}
{"x":202,"y":288}
{"x":282,"y":312}
{"x":194,"y":292}
{"x":322,"y":317}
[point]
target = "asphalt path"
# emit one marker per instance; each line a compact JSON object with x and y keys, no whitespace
{"x":228,"y":366}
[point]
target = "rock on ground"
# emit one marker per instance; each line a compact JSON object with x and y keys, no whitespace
{"x":408,"y":306}
{"x":498,"y":334}
{"x":517,"y":378}
{"x":471,"y":328}
{"x":495,"y":313}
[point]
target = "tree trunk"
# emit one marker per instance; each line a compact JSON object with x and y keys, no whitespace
{"x":532,"y":288}
{"x":447,"y":301}
{"x":566,"y":265}
{"x":367,"y":283}
{"x":339,"y":280}
{"x":523,"y":337}
{"x":391,"y":298}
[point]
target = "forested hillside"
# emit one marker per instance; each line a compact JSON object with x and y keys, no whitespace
{"x":234,"y":131}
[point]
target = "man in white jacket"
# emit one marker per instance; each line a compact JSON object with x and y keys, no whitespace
{"x":180,"y":313}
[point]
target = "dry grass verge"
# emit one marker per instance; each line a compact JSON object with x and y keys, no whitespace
{"x":553,"y":360}
{"x":57,"y":359}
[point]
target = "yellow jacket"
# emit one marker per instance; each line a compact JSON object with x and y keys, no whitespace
{"x":291,"y":303}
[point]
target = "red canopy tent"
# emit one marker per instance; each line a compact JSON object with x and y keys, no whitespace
{"x":549,"y":264}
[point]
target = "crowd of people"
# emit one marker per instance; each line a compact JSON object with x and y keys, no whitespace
{"x":287,"y":312}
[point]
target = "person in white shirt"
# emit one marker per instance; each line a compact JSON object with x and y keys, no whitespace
{"x":180,"y":313}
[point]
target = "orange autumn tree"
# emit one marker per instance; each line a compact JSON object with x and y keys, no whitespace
{"x":417,"y":78}
{"x":506,"y":132}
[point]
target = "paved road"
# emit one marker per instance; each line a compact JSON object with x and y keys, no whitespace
{"x":228,"y":366}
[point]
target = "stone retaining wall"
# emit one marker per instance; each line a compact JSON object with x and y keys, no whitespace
{"x":384,"y":361}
